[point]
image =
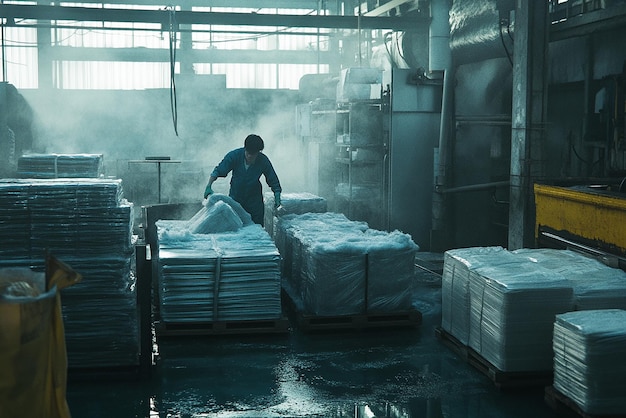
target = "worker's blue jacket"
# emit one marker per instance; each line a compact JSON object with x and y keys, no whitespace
{"x":245,"y":186}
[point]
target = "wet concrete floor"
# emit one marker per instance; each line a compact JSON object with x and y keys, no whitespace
{"x":404,"y":372}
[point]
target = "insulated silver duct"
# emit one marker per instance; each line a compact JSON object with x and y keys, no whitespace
{"x":480,"y":30}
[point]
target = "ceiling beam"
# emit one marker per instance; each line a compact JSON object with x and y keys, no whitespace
{"x":15,"y":12}
{"x":188,"y":4}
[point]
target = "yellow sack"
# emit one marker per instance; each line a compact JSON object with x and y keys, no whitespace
{"x":33,"y":357}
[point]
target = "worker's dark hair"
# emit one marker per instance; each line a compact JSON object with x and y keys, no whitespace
{"x":253,"y":144}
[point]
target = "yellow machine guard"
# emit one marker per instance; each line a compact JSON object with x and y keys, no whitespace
{"x":597,"y":218}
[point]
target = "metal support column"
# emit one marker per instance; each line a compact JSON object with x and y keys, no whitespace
{"x":44,"y":53}
{"x":529,"y":116}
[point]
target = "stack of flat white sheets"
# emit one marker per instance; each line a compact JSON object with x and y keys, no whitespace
{"x":589,"y":367}
{"x":502,"y":303}
{"x":217,"y":277}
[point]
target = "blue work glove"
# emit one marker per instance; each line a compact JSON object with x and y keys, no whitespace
{"x":208,"y":191}
{"x":276,"y":200}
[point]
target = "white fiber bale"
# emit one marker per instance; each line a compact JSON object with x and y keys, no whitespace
{"x":390,"y":270}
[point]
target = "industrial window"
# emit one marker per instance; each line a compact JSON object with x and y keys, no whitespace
{"x":119,"y":55}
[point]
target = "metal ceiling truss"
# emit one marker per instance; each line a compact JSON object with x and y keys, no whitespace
{"x":16,"y":12}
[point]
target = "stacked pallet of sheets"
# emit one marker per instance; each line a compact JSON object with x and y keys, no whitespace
{"x":342,"y":267}
{"x":87,"y":224}
{"x":596,"y":285}
{"x":60,"y":166}
{"x":502,"y":304}
{"x":223,"y":276}
{"x":589,"y":367}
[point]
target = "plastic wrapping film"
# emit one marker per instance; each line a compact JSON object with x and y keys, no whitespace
{"x":341,"y":267}
{"x":519,"y":303}
{"x":390,"y":270}
{"x":291,"y":204}
{"x":589,"y":367}
{"x":219,"y":213}
{"x":295,"y":231}
{"x":596,"y":285}
{"x":455,"y":287}
{"x":222,"y":276}
{"x":87,"y":224}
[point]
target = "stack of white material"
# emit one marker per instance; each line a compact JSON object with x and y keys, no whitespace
{"x":589,"y":367}
{"x":513,"y":308}
{"x":60,"y":165}
{"x":596,"y":285}
{"x":223,"y":276}
{"x":341,"y":267}
{"x":291,"y":204}
{"x":455,"y":282}
{"x":502,"y":303}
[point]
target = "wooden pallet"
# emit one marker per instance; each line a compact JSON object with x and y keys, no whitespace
{"x":257,"y":326}
{"x":305,"y":322}
{"x":411,"y":318}
{"x":566,"y":407}
{"x":501,"y":379}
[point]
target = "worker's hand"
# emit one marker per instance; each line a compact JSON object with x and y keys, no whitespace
{"x":276,"y":200}
{"x":208,"y":191}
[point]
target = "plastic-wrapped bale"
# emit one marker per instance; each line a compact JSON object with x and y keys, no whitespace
{"x":291,"y":204}
{"x":518,"y":309}
{"x":390,"y":270}
{"x":596,"y":285}
{"x":589,"y":367}
{"x":455,"y":287}
{"x":302,"y":229}
{"x":334,"y":272}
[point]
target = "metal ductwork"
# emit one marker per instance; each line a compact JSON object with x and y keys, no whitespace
{"x":480,"y":30}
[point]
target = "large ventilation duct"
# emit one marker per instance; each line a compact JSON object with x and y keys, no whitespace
{"x":480,"y":30}
{"x":439,"y":36}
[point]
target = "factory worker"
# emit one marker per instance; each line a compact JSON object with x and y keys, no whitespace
{"x":247,"y":165}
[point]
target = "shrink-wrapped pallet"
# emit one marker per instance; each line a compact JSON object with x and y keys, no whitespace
{"x":589,"y":367}
{"x":390,"y":270}
{"x":341,"y":267}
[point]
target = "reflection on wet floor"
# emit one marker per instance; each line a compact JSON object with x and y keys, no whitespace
{"x":368,"y":373}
